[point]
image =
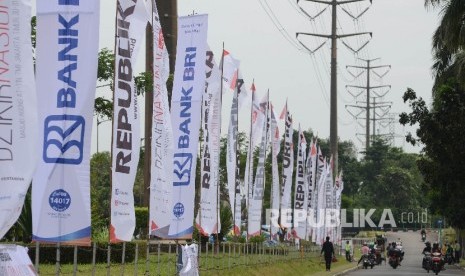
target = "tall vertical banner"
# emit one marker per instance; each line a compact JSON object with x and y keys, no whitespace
{"x":288,"y":163}
{"x":231,"y":154}
{"x":18,"y":105}
{"x":320,"y":201}
{"x":207,"y":219}
{"x":67,"y":47}
{"x":319,"y":174}
{"x":328,"y":191}
{"x":162,"y":136}
{"x":310,"y":176}
{"x":339,"y":188}
{"x":186,"y":101}
{"x":232,"y":160}
{"x":276,"y":187}
{"x":131,"y":20}
{"x":248,"y":174}
{"x":257,"y":115}
{"x":300,"y":190}
{"x":256,"y":202}
{"x":237,"y":183}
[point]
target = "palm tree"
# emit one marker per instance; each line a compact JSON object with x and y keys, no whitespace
{"x":449,"y":41}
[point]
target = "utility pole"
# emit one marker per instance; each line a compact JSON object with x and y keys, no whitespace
{"x":333,"y":135}
{"x":368,"y":88}
{"x":168,"y":13}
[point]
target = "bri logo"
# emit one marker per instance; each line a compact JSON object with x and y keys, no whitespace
{"x":63,"y":139}
{"x":182,"y":169}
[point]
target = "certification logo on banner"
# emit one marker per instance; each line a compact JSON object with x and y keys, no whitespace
{"x":178,"y":210}
{"x":59,"y":200}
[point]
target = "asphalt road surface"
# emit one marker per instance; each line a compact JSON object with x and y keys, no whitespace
{"x":411,"y":265}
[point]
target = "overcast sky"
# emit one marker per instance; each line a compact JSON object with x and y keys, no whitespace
{"x":270,"y":54}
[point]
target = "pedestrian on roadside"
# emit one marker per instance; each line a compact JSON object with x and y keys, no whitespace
{"x":348,"y":249}
{"x":328,"y":249}
{"x":457,"y":249}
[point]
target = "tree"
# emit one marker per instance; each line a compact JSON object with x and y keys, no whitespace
{"x":449,"y":41}
{"x":440,"y":130}
{"x":100,"y":192}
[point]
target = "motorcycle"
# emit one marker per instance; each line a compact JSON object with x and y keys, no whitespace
{"x":368,"y":261}
{"x":423,"y":237}
{"x":394,"y":259}
{"x":427,"y":263}
{"x":436,"y":262}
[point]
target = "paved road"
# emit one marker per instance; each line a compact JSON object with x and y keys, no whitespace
{"x":411,"y":265}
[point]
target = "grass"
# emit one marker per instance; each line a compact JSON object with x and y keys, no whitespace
{"x":310,"y":263}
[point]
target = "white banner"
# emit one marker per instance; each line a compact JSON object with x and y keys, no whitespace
{"x":188,"y":87}
{"x":276,"y":187}
{"x":320,"y":202}
{"x":14,"y":261}
{"x":67,"y":47}
{"x":256,"y":202}
{"x":339,"y":188}
{"x":230,"y":67}
{"x":190,"y":266}
{"x":248,"y":174}
{"x":238,"y":198}
{"x":311,"y":177}
{"x":18,"y":106}
{"x":208,"y":216}
{"x":257,"y":115}
{"x":288,"y":162}
{"x":300,"y":190}
{"x":162,"y":137}
{"x":231,"y":154}
{"x":132,"y":17}
{"x":320,"y":165}
{"x":232,"y":162}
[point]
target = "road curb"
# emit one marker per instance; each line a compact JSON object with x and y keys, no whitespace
{"x":346,"y":271}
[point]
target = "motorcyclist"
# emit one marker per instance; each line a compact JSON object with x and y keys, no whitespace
{"x":427,"y":249}
{"x":365,"y":251}
{"x":394,"y":251}
{"x":437,"y":249}
{"x":450,"y":252}
{"x":423,"y":233}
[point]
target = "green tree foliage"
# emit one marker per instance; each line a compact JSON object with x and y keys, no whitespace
{"x":449,"y":41}
{"x":440,"y":130}
{"x":100,"y":190}
{"x":389,"y":178}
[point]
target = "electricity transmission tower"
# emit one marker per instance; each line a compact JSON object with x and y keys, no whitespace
{"x":333,"y":87}
{"x":390,"y":123}
{"x":368,"y":88}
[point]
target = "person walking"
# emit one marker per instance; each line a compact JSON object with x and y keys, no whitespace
{"x":328,"y":249}
{"x":457,"y":249}
{"x":348,"y":250}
